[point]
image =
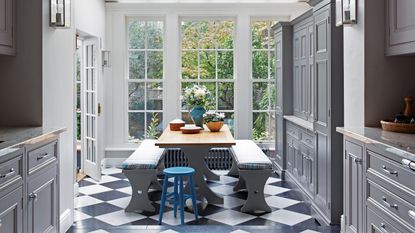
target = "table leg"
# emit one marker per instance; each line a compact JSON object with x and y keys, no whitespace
{"x":195,"y":156}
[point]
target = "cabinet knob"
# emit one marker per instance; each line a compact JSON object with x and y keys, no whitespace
{"x":382,"y":227}
{"x":411,"y":214}
{"x":11,"y":172}
{"x":395,"y":206}
{"x":32,"y":196}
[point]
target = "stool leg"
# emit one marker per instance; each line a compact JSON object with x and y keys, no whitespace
{"x":181,"y":200}
{"x":163,"y":198}
{"x":175,"y":196}
{"x":192,"y":189}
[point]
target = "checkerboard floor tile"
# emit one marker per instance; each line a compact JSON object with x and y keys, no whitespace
{"x":100,"y":208}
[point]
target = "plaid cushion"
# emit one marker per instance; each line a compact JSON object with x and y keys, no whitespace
{"x":147,"y":156}
{"x":249,"y":156}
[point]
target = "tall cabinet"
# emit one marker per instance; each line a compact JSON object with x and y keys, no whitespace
{"x":310,"y":106}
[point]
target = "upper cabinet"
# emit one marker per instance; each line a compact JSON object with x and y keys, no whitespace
{"x":7,"y":27}
{"x":400,"y":29}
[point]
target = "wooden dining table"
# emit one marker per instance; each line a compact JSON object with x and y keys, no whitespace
{"x":196,"y":147}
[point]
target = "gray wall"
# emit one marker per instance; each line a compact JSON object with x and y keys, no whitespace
{"x":21,"y":76}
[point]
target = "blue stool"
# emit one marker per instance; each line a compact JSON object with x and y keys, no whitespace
{"x":178,"y":173}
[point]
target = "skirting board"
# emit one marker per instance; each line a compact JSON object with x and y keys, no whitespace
{"x":66,"y":220}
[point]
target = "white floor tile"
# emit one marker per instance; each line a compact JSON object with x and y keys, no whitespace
{"x":79,"y":216}
{"x":86,"y":201}
{"x":121,"y":202}
{"x":274,"y":190}
{"x":169,"y":219}
{"x":272,"y":180}
{"x":93,"y":189}
{"x":126,"y":190}
{"x":230,"y":217}
{"x":98,"y":231}
{"x":227,"y":179}
{"x":280,"y":202}
{"x":231,"y":202}
{"x":169,"y":231}
{"x":120,"y":217}
{"x":310,"y":231}
{"x":223,"y":189}
{"x":286,"y":217}
{"x":104,"y":179}
{"x":239,"y":231}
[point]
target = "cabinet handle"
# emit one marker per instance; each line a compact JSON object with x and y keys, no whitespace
{"x":382,"y":227}
{"x":411,"y":214}
{"x":395,"y":206}
{"x":39,"y":157}
{"x":32,"y":196}
{"x":11,"y":172}
{"x":408,"y":163}
{"x":389,"y":171}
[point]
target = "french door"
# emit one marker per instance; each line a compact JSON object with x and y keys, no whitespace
{"x":90,"y":156}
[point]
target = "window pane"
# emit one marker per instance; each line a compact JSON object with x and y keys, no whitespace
{"x":78,"y":96}
{"x":272,"y":64}
{"x":155,"y":65}
{"x":260,"y":35}
{"x":184,"y":86}
{"x":260,"y":99}
{"x":137,"y":65}
{"x":225,"y":64}
{"x":225,"y":96}
{"x":189,"y":65}
{"x":259,"y":131}
{"x":273,"y":95}
{"x":190,"y":35}
{"x":154,"y":96}
{"x":224,"y":34}
{"x":207,"y":64}
{"x":135,"y":96}
{"x":260,"y":65}
{"x":136,"y":126}
{"x":155,"y":34}
{"x":211,"y":86}
{"x":230,"y":121}
{"x":154,"y":125}
{"x":136,"y":30}
{"x":187,"y":118}
{"x":206,"y":34}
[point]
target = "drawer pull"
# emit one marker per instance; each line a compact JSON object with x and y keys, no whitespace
{"x":39,"y":157}
{"x":389,"y":171}
{"x":395,"y":206}
{"x":382,"y":227}
{"x":32,"y":196}
{"x":11,"y":172}
{"x":411,"y":214}
{"x":408,"y":163}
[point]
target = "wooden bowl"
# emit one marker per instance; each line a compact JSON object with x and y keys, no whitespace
{"x":175,"y":125}
{"x":397,"y":127}
{"x":190,"y":130}
{"x":214,"y":126}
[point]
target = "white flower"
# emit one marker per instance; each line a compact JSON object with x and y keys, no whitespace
{"x":200,"y":93}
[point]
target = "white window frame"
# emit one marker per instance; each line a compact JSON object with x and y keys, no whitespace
{"x":127,"y":80}
{"x":269,"y":143}
{"x":216,"y":80}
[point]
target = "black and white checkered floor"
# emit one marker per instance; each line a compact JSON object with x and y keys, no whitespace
{"x":100,"y":208}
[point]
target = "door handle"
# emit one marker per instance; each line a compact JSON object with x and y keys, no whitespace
{"x":385,"y":169}
{"x":408,"y":163}
{"x":11,"y":172}
{"x":32,"y":196}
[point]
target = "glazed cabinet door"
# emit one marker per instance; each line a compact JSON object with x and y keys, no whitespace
{"x":11,"y":213}
{"x":42,"y":202}
{"x":353,"y":183}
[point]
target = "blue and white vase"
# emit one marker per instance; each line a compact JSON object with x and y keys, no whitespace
{"x":197,"y":115}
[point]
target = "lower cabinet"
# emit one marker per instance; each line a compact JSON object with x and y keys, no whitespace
{"x":42,"y":209}
{"x":11,"y":213}
{"x":353,"y":185}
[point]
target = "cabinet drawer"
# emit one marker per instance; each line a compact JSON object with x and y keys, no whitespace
{"x":400,"y":208}
{"x":395,"y":173}
{"x":307,"y":139}
{"x":293,"y":131}
{"x":375,"y":223}
{"x":41,"y":156}
{"x":11,"y":171}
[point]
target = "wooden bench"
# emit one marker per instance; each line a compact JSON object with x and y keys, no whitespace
{"x":141,"y":171}
{"x":254,"y":169}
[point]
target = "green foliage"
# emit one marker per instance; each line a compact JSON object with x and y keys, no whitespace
{"x":78,"y":126}
{"x":152,"y":129}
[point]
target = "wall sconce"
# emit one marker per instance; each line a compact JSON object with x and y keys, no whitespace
{"x":106,"y":60}
{"x":346,"y":12}
{"x":60,"y":13}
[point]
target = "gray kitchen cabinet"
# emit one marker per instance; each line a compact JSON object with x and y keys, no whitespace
{"x":42,"y":209}
{"x":400,"y":29}
{"x":353,"y":182}
{"x":11,"y":211}
{"x":328,"y":77}
{"x":7,"y":27}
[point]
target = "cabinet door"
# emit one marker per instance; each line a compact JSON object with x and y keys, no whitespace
{"x":290,"y":154}
{"x":280,"y":140}
{"x":322,"y":124}
{"x":310,"y":84}
{"x":297,"y":75}
{"x":6,"y":26}
{"x":42,"y":202}
{"x":401,"y":27}
{"x":297,"y":169}
{"x":11,"y":214}
{"x":278,"y":71}
{"x":308,"y":167}
{"x":353,"y":183}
